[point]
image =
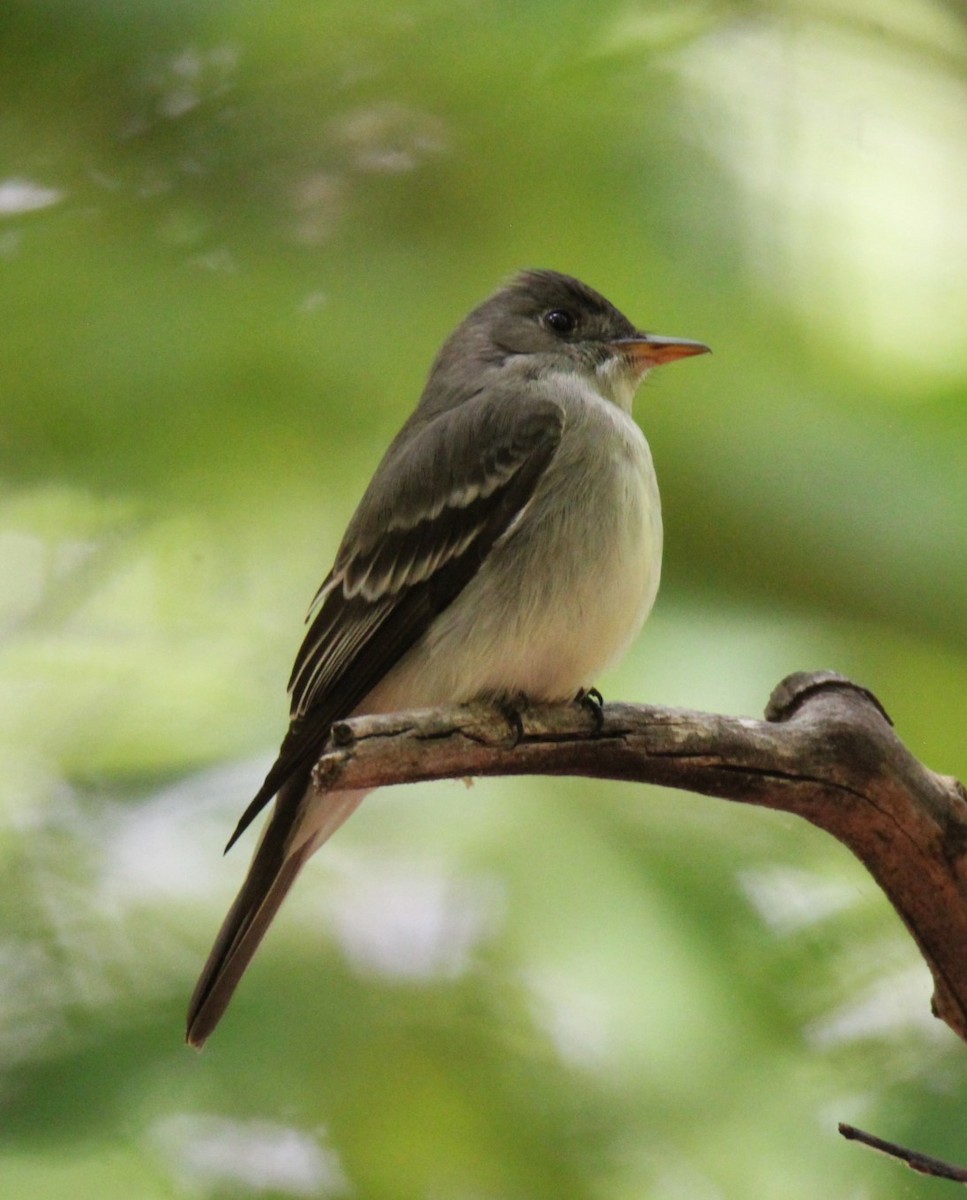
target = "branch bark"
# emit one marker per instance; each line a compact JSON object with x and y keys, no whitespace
{"x":825,"y":751}
{"x":923,"y":1164}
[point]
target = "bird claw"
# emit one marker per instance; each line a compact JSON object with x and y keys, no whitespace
{"x":593,"y":701}
{"x":510,"y":709}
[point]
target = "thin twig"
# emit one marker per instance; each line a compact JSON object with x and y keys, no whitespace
{"x":923,"y":1164}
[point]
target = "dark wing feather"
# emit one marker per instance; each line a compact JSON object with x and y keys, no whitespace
{"x":418,"y":537}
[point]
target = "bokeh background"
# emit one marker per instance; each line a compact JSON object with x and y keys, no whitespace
{"x":232,"y":236}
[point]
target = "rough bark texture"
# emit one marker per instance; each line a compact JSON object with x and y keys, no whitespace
{"x":826,"y":751}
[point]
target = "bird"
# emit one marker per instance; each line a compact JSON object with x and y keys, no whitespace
{"x":507,"y":548}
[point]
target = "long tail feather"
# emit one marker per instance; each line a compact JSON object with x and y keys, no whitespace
{"x":239,"y":938}
{"x":286,"y":846}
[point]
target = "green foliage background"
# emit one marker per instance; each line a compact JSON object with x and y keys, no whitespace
{"x":232,"y":236}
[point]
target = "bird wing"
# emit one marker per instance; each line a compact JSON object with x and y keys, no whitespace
{"x":433,"y":513}
{"x":439,"y":502}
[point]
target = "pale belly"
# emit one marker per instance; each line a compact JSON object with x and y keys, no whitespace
{"x":561,"y":598}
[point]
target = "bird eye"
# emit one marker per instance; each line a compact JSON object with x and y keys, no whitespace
{"x":560,"y":320}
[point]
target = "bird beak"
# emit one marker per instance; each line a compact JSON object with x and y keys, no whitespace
{"x":647,"y":350}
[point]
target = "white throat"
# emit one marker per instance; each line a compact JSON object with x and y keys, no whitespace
{"x":617,"y":381}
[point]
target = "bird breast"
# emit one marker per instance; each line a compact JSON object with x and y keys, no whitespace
{"x":563,"y":593}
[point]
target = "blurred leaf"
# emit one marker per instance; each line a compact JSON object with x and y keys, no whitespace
{"x":232,"y":237}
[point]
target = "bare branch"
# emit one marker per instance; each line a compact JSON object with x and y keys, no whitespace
{"x":826,"y":751}
{"x":923,"y":1164}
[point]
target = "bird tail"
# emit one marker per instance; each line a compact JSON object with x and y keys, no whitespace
{"x":286,"y":845}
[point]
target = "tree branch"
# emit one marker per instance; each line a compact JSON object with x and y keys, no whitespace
{"x":923,"y":1164}
{"x":826,"y":751}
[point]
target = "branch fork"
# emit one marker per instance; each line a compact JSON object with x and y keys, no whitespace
{"x":826,"y":751}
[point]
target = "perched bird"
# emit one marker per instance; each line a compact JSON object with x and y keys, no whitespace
{"x":508,"y":546}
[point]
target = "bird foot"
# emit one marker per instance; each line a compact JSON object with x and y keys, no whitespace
{"x":593,"y":701}
{"x":510,"y":708}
